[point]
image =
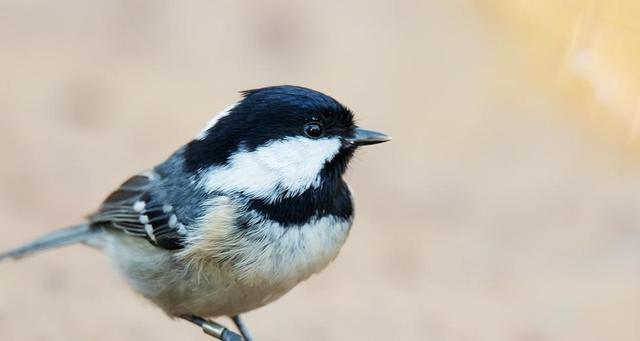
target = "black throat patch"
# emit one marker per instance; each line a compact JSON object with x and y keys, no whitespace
{"x":331,"y":198}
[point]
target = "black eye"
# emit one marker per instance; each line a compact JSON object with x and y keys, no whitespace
{"x":314,"y":130}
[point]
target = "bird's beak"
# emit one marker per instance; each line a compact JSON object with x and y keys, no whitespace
{"x":363,"y":137}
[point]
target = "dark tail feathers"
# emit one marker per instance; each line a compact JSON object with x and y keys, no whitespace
{"x":66,"y":236}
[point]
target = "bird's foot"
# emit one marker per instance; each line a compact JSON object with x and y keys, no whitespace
{"x":242,"y":327}
{"x":214,"y":329}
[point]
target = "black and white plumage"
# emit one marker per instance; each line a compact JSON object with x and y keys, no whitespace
{"x":234,"y":219}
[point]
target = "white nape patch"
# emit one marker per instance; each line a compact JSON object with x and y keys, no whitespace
{"x":203,"y":134}
{"x":291,"y":166}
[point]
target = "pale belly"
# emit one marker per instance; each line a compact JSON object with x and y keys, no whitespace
{"x":254,"y":276}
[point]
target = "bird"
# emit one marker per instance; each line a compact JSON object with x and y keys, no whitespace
{"x":235,"y":218}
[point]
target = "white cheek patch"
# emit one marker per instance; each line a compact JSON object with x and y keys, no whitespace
{"x":203,"y":134}
{"x":288,"y":166}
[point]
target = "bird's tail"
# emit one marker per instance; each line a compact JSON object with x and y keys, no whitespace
{"x":66,"y":236}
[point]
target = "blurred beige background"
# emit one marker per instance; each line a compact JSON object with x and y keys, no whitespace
{"x":506,"y":208}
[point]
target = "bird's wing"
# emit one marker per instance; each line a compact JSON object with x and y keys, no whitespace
{"x":138,"y":209}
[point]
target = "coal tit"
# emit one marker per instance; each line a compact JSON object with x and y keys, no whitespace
{"x":253,"y":205}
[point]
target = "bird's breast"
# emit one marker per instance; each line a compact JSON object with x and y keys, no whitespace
{"x":235,"y":260}
{"x":258,"y":251}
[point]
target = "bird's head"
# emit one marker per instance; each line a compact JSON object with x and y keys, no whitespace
{"x":277,"y":142}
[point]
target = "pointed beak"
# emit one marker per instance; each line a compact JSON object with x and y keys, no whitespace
{"x":363,"y":137}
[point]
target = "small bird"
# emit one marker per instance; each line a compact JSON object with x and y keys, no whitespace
{"x":234,"y":219}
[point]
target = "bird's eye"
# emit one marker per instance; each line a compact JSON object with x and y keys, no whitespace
{"x":314,"y":130}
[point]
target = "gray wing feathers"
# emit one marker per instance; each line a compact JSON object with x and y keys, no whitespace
{"x":139,"y":208}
